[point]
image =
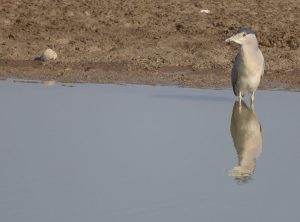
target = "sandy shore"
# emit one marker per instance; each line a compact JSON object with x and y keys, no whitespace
{"x":147,"y":42}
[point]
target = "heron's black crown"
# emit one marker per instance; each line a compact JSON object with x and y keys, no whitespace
{"x":247,"y":30}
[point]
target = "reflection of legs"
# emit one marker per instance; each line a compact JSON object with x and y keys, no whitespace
{"x":252,"y":106}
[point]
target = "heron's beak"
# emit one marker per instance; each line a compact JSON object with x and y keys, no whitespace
{"x":235,"y":38}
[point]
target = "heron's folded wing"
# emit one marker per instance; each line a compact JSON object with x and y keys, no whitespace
{"x":234,"y":74}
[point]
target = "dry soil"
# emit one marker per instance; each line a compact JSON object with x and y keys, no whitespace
{"x":147,"y":41}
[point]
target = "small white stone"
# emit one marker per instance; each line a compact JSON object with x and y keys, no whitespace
{"x":48,"y":54}
{"x":205,"y":11}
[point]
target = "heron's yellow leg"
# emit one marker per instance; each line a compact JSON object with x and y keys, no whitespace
{"x":252,"y":98}
{"x":252,"y":101}
{"x":240,"y":98}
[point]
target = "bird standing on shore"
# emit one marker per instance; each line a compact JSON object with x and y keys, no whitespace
{"x":248,"y":67}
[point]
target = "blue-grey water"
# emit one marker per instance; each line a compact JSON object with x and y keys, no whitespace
{"x":123,"y":153}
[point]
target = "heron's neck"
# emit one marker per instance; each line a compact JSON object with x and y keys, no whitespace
{"x":250,"y":46}
{"x":249,"y":52}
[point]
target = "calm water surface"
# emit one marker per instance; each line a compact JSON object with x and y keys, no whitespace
{"x":140,"y":153}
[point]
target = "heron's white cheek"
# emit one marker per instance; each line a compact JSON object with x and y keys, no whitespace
{"x":238,"y":41}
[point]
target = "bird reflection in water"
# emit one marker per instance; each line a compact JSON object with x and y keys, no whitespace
{"x":247,"y":137}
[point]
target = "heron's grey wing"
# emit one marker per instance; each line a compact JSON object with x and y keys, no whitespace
{"x":263,"y":63}
{"x":263,"y":71}
{"x":234,"y":74}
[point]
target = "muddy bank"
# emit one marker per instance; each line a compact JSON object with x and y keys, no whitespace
{"x":96,"y":72}
{"x":146,"y":42}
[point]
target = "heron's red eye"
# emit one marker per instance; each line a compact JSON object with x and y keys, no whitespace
{"x":244,"y":34}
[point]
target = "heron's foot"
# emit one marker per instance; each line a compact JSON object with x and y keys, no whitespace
{"x":252,"y":98}
{"x":240,"y":102}
{"x":240,"y":98}
{"x":252,"y":102}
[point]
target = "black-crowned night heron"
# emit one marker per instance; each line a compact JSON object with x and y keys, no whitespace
{"x":247,"y":137}
{"x":248,"y":67}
